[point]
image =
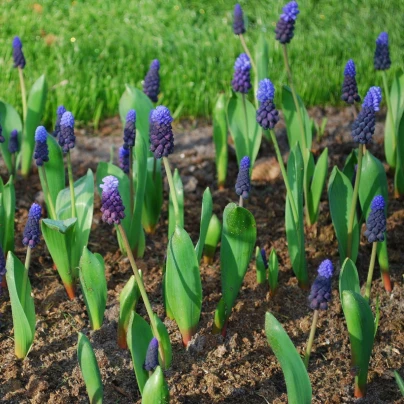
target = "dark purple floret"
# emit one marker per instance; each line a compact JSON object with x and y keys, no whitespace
{"x":129,"y":132}
{"x":161,"y":133}
{"x":382,"y":54}
{"x":32,"y":234}
{"x":267,"y":115}
{"x":238,"y":22}
{"x":264,"y":258}
{"x":376,"y":222}
{"x":326,"y":269}
{"x":112,"y":207}
{"x":18,"y":55}
{"x":124,"y":159}
{"x":67,"y":139}
{"x":286,"y":25}
{"x":59,"y":113}
{"x":41,"y":153}
{"x":320,"y":293}
{"x":151,"y":84}
{"x":243,"y":178}
{"x":349,"y":87}
{"x":152,"y":355}
{"x":241,"y":80}
{"x":1,"y":135}
{"x":13,"y":145}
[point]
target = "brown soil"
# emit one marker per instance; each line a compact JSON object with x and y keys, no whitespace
{"x":240,"y":368}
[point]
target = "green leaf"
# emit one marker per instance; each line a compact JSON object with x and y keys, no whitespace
{"x":220,"y":130}
{"x":206,"y":214}
{"x":164,"y":343}
{"x":399,"y":381}
{"x":212,"y":239}
{"x":359,"y":319}
{"x":273,"y":270}
{"x":36,"y":105}
{"x":139,"y":337}
{"x":340,"y":197}
{"x":156,"y":389}
{"x":261,"y":60}
{"x":94,"y":286}
{"x":183,"y":283}
{"x":179,"y":189}
{"x":350,"y":163}
{"x":22,"y":306}
{"x":247,"y":142}
{"x":348,"y":278}
{"x":377,"y":315}
{"x":260,"y":266}
{"x":399,"y":174}
{"x":297,"y":380}
{"x":8,"y":213}
{"x":9,"y":120}
{"x":89,"y":369}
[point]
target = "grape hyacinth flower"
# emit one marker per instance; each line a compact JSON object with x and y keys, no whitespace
{"x":41,"y":153}
{"x":152,"y":355}
{"x":161,"y":133}
{"x":124,"y":159}
{"x":264,"y":258}
{"x":376,"y":222}
{"x":2,"y":268}
{"x":129,"y":132}
{"x":238,"y":22}
{"x":67,"y":139}
{"x":349,"y":87}
{"x":364,"y":126}
{"x":267,"y":114}
{"x":285,"y":27}
{"x":151,"y":84}
{"x":59,"y":113}
{"x":243,"y":179}
{"x":13,"y":145}
{"x":241,"y":80}
{"x":382,"y":54}
{"x":18,"y":55}
{"x":31,"y":235}
{"x":2,"y":139}
{"x":112,"y":207}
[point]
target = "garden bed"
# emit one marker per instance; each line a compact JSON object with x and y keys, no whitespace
{"x":240,"y":368}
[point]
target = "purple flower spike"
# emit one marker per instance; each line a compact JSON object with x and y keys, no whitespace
{"x":376,"y":222}
{"x":2,"y":268}
{"x":18,"y":55}
{"x":264,"y":258}
{"x":152,"y":356}
{"x":67,"y":139}
{"x":59,"y":113}
{"x":241,"y":80}
{"x":286,"y":25}
{"x":373,"y":98}
{"x":13,"y":145}
{"x":243,"y":178}
{"x":41,"y":153}
{"x":326,"y":269}
{"x":112,"y":207}
{"x":2,"y":140}
{"x":382,"y":54}
{"x":151,"y":85}
{"x":32,"y":234}
{"x":267,"y":115}
{"x":124,"y":159}
{"x":129,"y":132}
{"x":238,"y":22}
{"x":320,"y":293}
{"x":161,"y":133}
{"x":349,"y":87}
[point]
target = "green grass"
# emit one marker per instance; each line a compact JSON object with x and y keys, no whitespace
{"x":101,"y":45}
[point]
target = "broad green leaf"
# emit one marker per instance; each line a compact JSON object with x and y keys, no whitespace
{"x":359,"y":319}
{"x":206,"y":214}
{"x":59,"y":237}
{"x":350,"y":163}
{"x":22,"y":305}
{"x":400,"y":382}
{"x":179,"y":189}
{"x":244,"y":128}
{"x":377,"y":315}
{"x":89,"y":369}
{"x":260,"y":266}
{"x":348,"y":278}
{"x":94,"y":286}
{"x":183,"y":283}
{"x":9,"y":120}
{"x":156,"y":389}
{"x":164,"y":343}
{"x":220,"y":130}
{"x":273,"y":270}
{"x":212,"y":239}
{"x":399,"y":174}
{"x":138,"y":337}
{"x":297,"y":380}
{"x":261,"y":60}
{"x":36,"y":105}
{"x":340,"y":197}
{"x":8,"y":212}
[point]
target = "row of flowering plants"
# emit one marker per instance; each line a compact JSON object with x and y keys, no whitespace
{"x":132,"y":198}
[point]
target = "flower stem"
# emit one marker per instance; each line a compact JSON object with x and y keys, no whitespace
{"x":240,"y":202}
{"x":131,"y":187}
{"x":48,"y":196}
{"x":243,"y":43}
{"x":25,"y":277}
{"x":172,"y":190}
{"x":354,"y":201}
{"x":311,"y":338}
{"x":370,"y":272}
{"x":23,"y":94}
{"x":71,"y":184}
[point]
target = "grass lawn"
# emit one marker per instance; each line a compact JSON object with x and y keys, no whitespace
{"x":90,"y":49}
